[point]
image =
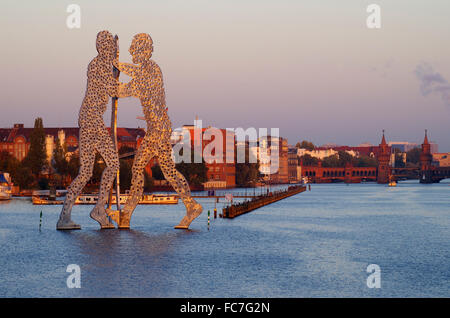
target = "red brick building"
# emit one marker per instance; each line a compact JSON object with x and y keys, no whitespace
{"x":221,"y":173}
{"x":16,"y":140}
{"x":383,"y":162}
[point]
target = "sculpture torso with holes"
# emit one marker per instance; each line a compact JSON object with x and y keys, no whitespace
{"x":147,"y":85}
{"x":100,"y":85}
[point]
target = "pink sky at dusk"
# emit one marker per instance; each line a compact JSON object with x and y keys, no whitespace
{"x":311,"y":68}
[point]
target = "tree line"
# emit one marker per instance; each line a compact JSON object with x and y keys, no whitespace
{"x":342,"y":158}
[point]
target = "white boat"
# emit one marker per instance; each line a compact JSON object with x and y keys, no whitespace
{"x":92,"y":199}
{"x":5,"y":186}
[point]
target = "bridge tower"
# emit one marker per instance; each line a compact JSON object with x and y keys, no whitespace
{"x":383,"y":162}
{"x":425,"y":161}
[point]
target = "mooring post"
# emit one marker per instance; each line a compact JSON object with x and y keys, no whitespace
{"x":208,"y":220}
{"x":40,"y":221}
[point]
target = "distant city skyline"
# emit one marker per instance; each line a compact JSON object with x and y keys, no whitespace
{"x":312,"y":69}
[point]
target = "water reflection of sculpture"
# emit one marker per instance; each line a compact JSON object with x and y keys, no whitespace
{"x":147,"y":85}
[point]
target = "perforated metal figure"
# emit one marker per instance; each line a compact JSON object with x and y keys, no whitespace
{"x":94,"y":137}
{"x":147,"y":85}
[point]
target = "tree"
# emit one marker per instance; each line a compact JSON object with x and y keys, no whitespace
{"x":73,"y":166}
{"x":8,"y":163}
{"x":195,"y":173}
{"x":23,"y":177}
{"x":332,"y":161}
{"x":344,"y":158}
{"x":305,"y":145}
{"x":366,"y":161}
{"x":43,"y":184}
{"x":308,"y":160}
{"x":59,"y":161}
{"x":125,"y":174}
{"x":398,"y":156}
{"x":247,"y":174}
{"x":36,"y":158}
{"x":413,"y":155}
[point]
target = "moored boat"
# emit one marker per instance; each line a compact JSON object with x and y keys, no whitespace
{"x":92,"y":199}
{"x":5,"y":186}
{"x":392,"y":182}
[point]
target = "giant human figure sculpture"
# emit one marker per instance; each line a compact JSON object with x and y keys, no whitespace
{"x":147,"y":85}
{"x":93,"y":135}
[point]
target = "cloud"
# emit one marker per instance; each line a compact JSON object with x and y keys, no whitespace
{"x":432,"y":82}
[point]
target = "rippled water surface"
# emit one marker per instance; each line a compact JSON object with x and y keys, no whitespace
{"x":315,"y":244}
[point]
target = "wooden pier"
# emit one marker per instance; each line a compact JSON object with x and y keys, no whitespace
{"x":244,"y":207}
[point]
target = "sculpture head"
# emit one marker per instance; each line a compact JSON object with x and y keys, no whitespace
{"x":141,"y":48}
{"x":106,"y":45}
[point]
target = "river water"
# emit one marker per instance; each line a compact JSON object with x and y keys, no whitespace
{"x":316,"y":244}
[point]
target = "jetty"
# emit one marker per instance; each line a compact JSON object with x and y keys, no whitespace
{"x":240,"y":208}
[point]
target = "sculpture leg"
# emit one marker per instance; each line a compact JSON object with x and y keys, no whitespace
{"x":106,"y":149}
{"x":141,"y":159}
{"x":87,"y":159}
{"x":176,"y":179}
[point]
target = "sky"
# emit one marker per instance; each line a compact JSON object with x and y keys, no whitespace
{"x":311,"y":68}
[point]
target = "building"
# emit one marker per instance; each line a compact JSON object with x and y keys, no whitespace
{"x":319,"y":153}
{"x":293,"y":165}
{"x":273,"y":156}
{"x":356,"y":151}
{"x":220,"y":162}
{"x":441,"y":159}
{"x":283,"y":173}
{"x":16,"y":140}
{"x":383,"y":157}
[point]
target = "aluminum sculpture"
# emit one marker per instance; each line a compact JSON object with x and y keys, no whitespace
{"x":147,"y":85}
{"x":93,"y":135}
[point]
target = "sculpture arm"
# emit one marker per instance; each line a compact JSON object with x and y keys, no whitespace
{"x":127,"y":68}
{"x":125,"y":89}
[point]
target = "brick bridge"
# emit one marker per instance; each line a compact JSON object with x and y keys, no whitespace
{"x":348,"y":174}
{"x":426,"y":172}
